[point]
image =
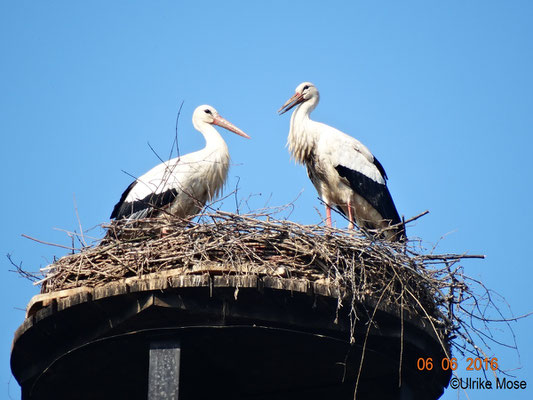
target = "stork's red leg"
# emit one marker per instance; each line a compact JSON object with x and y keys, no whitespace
{"x":350,"y":216}
{"x":328,"y":216}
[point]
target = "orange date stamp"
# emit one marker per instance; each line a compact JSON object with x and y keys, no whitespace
{"x":474,"y":364}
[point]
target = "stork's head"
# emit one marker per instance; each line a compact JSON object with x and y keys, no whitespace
{"x":208,"y":115}
{"x":304,"y":92}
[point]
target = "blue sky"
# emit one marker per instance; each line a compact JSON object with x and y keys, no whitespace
{"x":441,"y":92}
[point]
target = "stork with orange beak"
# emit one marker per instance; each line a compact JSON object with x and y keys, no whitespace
{"x":344,"y":172}
{"x":183,"y":185}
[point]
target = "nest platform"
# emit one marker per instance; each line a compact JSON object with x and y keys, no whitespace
{"x":260,"y":310}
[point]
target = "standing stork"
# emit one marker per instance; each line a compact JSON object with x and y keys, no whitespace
{"x":344,"y":172}
{"x":183,"y":185}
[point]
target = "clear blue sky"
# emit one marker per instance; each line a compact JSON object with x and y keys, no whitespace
{"x":441,"y":92}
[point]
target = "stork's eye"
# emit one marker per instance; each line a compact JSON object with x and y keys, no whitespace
{"x":208,"y":111}
{"x":306,"y":87}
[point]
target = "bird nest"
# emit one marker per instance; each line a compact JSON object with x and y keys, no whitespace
{"x":362,"y":269}
{"x":357,"y":268}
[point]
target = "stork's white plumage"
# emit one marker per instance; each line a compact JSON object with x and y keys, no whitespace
{"x":182,"y":185}
{"x":344,"y":172}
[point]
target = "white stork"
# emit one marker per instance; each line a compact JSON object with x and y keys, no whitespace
{"x":182,"y":185}
{"x":344,"y":172}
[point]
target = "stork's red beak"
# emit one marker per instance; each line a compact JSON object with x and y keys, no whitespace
{"x":293,"y":101}
{"x":218,"y":120}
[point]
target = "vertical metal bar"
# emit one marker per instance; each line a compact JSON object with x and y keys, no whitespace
{"x":164,"y":370}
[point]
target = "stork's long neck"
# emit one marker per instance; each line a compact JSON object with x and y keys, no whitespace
{"x":215,"y":149}
{"x":302,"y":136}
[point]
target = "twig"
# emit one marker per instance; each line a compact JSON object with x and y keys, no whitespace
{"x":79,"y":221}
{"x":48,"y":243}
{"x":176,"y":142}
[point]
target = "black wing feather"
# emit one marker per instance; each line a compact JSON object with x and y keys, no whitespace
{"x":380,"y":168}
{"x":153,"y":201}
{"x":116,"y":210}
{"x":375,"y":193}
